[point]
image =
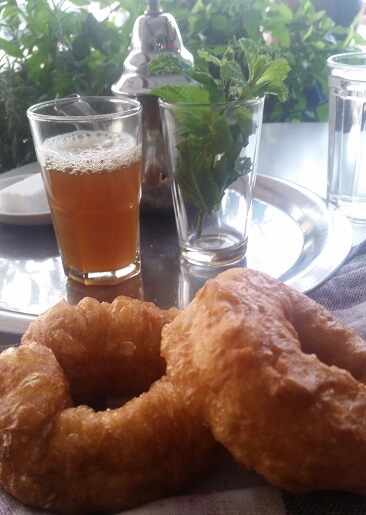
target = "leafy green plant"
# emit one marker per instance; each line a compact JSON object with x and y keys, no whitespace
{"x":305,"y":37}
{"x":209,"y":24}
{"x":214,"y":133}
{"x":50,"y":50}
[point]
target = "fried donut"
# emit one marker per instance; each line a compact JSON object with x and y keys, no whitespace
{"x":100,"y":343}
{"x":279,"y":381}
{"x":73,"y":459}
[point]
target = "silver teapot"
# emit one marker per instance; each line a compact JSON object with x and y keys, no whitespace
{"x":154,"y":32}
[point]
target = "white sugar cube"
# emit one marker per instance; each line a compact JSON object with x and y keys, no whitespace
{"x":27,"y":196}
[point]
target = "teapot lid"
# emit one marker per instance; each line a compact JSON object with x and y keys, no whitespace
{"x":153,"y":33}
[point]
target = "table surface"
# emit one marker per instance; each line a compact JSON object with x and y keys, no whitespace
{"x":294,"y":152}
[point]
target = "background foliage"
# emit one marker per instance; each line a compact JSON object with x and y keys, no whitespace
{"x":53,"y":48}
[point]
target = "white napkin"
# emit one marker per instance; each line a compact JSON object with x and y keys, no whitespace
{"x":27,"y":196}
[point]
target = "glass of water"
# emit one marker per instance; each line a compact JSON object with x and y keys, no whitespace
{"x":347,"y":134}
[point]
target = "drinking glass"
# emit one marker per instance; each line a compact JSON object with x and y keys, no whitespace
{"x":89,"y":150}
{"x":347,"y":134}
{"x":212,"y":156}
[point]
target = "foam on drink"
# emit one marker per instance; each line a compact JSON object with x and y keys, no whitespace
{"x":89,"y":152}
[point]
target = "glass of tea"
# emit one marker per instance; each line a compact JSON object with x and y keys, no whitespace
{"x":89,"y":150}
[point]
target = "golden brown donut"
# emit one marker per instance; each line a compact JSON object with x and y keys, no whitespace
{"x":70,"y":458}
{"x":279,"y":381}
{"x":98,"y":343}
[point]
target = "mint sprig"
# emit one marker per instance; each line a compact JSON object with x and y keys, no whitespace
{"x":242,"y":73}
{"x":209,"y":154}
{"x":202,"y":176}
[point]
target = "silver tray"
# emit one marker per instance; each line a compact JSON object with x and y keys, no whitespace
{"x":293,"y":237}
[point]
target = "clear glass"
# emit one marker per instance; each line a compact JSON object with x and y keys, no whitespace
{"x":346,"y":186}
{"x":212,"y":156}
{"x":89,"y":150}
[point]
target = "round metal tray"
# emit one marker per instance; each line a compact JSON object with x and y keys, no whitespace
{"x":293,"y":237}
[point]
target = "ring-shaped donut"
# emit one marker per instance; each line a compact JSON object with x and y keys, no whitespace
{"x":70,"y":458}
{"x":276,"y":377}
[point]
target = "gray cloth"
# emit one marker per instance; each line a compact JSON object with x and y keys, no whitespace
{"x":344,"y":294}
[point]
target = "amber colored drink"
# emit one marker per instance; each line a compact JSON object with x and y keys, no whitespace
{"x":93,"y":183}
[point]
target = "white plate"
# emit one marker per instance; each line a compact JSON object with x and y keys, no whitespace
{"x":43,"y":218}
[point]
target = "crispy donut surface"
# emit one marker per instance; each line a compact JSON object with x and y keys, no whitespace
{"x":279,"y":381}
{"x":58,"y":455}
{"x":104,"y":348}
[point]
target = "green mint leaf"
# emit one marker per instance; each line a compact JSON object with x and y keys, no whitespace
{"x":188,"y":94}
{"x":272,"y":79}
{"x":212,"y":86}
{"x":251,"y":55}
{"x":172,"y":63}
{"x":242,"y":166}
{"x":168,"y":62}
{"x":265,"y":76}
{"x":197,"y":119}
{"x":194,"y":175}
{"x":232,"y":73}
{"x":245,"y":125}
{"x":209,"y":156}
{"x":209,"y":58}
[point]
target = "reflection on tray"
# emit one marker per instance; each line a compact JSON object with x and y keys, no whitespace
{"x":273,"y":234}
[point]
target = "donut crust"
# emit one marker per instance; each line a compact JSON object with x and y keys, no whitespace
{"x":59,"y":455}
{"x":276,"y":377}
